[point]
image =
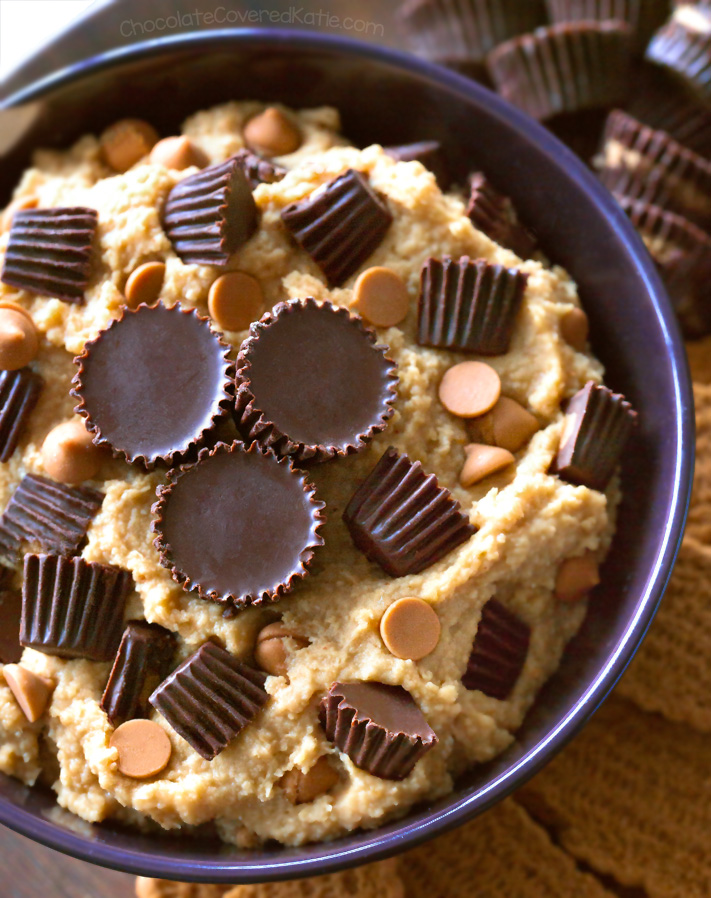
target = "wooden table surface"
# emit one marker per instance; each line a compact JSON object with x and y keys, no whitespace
{"x":28,"y":870}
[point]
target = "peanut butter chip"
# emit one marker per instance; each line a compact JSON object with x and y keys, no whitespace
{"x":235,"y":300}
{"x":18,"y":205}
{"x":270,"y":652}
{"x":178,"y":153}
{"x":272,"y":134}
{"x":144,"y":284}
{"x":19,"y":342}
{"x":410,"y":629}
{"x":301,"y":788}
{"x":574,"y":329}
{"x":69,"y":455}
{"x":126,"y":142}
{"x":31,"y":691}
{"x":381,"y":297}
{"x":470,"y":389}
{"x":483,"y":461}
{"x":577,"y":577}
{"x":144,"y":748}
{"x":508,"y":425}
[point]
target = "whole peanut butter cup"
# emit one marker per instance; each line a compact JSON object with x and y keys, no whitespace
{"x":342,"y":391}
{"x":19,"y":392}
{"x":258,"y":170}
{"x":211,"y":214}
{"x":683,"y":47}
{"x":73,"y":608}
{"x":154,"y":384}
{"x":402,"y":519}
{"x":643,"y":16}
{"x":494,"y":214}
{"x":239,"y":527}
{"x":49,"y":252}
{"x":378,"y":726}
{"x":565,"y":68}
{"x":499,"y":652}
{"x":210,"y":698}
{"x":468,"y":306}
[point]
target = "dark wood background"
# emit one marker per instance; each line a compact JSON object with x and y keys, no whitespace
{"x":28,"y":870}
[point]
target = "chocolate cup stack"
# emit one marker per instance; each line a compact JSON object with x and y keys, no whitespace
{"x":683,"y":47}
{"x":643,"y":16}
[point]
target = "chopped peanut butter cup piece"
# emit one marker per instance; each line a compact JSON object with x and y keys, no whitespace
{"x":270,"y":652}
{"x":49,"y":252}
{"x":235,"y":300}
{"x":470,"y":389}
{"x":54,"y":516}
{"x":69,"y":454}
{"x":144,"y":284}
{"x":302,"y":788}
{"x":210,"y":699}
{"x":143,"y":748}
{"x":141,"y":664}
{"x":32,"y":692}
{"x":19,"y":392}
{"x":261,"y":525}
{"x":340,"y":226}
{"x":210,"y":215}
{"x":468,"y":306}
{"x":429,"y":153}
{"x":10,"y":617}
{"x":379,"y":727}
{"x":598,"y":424}
{"x":73,"y":608}
{"x":482,"y":461}
{"x":154,"y":384}
{"x":493,"y":214}
{"x":508,"y":425}
{"x":178,"y":153}
{"x":340,"y":399}
{"x":126,"y":142}
{"x":577,"y":577}
{"x":410,"y":629}
{"x":19,"y":341}
{"x":499,"y":652}
{"x":575,"y":328}
{"x":258,"y":170}
{"x":272,"y":133}
{"x":380,"y":296}
{"x":402,"y":519}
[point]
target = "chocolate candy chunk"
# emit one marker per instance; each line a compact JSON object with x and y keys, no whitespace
{"x":429,"y":153}
{"x":239,"y":527}
{"x":153,"y":384}
{"x":340,"y":226}
{"x":49,"y":252}
{"x":10,"y":614}
{"x":342,"y":390}
{"x":493,"y":213}
{"x":468,"y":306}
{"x":597,"y":426}
{"x":19,"y":392}
{"x":210,"y":215}
{"x":402,"y":519}
{"x":54,"y":516}
{"x":73,"y":608}
{"x":499,"y":652}
{"x":142,"y":662}
{"x":379,"y":727}
{"x":258,"y":170}
{"x":210,"y":699}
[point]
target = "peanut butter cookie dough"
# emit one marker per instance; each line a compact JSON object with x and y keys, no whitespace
{"x":516,"y":526}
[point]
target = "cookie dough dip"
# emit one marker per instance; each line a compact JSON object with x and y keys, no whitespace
{"x":306,"y":473}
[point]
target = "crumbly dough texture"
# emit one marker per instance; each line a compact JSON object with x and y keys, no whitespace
{"x":528,"y":520}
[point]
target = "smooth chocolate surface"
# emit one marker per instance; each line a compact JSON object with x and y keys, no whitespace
{"x":10,"y":614}
{"x":341,"y":390}
{"x":239,"y":527}
{"x":499,"y":652}
{"x":153,"y":383}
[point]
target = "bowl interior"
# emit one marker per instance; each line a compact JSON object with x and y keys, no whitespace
{"x":388,"y":98}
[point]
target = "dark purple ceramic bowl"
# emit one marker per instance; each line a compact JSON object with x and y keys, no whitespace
{"x":390,"y":98}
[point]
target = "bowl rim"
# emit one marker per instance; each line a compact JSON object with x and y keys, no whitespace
{"x":328,"y":857}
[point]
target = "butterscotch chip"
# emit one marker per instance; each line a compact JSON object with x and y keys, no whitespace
{"x":272,"y":134}
{"x":126,"y":142}
{"x":508,"y":425}
{"x":483,"y":461}
{"x":143,"y":746}
{"x":15,"y":307}
{"x":235,"y":300}
{"x":300,"y":787}
{"x":470,"y":389}
{"x":18,"y":205}
{"x":19,"y":342}
{"x":178,"y":153}
{"x":144,"y":284}
{"x":31,"y":691}
{"x":381,"y":297}
{"x":69,"y":455}
{"x":574,"y":329}
{"x":410,"y":629}
{"x":577,"y":577}
{"x":270,"y":652}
